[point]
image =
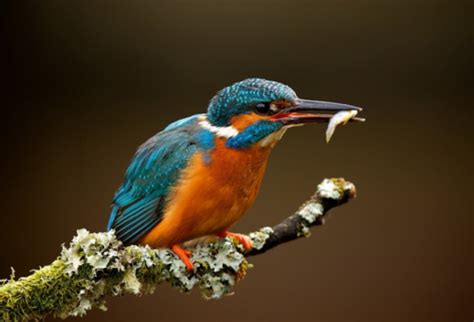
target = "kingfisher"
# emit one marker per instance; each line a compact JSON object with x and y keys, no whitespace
{"x":200,"y":175}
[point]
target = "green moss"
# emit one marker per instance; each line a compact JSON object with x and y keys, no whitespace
{"x":95,"y":265}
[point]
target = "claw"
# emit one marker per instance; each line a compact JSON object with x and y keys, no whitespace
{"x":243,"y":239}
{"x":183,"y":254}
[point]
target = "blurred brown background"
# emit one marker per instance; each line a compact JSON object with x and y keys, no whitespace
{"x":88,"y":81}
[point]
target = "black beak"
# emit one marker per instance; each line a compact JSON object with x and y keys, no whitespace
{"x":311,"y":111}
{"x":303,"y":105}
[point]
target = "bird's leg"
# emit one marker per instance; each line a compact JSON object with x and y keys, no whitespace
{"x":244,"y":240}
{"x":183,"y":254}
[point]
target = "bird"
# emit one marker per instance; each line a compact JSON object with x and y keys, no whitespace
{"x":200,"y":175}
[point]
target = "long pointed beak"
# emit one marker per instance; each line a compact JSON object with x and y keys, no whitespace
{"x":303,"y":105}
{"x":310,"y":111}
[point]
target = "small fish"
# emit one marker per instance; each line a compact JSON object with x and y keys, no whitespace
{"x":338,"y":118}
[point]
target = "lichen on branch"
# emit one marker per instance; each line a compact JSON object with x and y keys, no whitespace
{"x":96,"y":265}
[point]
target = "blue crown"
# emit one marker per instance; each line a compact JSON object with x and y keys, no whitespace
{"x":240,"y":98}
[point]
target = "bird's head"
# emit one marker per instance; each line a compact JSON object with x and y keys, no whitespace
{"x":254,"y":109}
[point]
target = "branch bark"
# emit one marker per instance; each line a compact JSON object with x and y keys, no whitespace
{"x":330,"y":193}
{"x":96,"y":265}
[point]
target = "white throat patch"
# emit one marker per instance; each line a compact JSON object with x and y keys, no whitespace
{"x":220,"y":131}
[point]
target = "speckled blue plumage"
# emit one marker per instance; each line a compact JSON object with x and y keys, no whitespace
{"x":253,"y":134}
{"x":240,"y":97}
{"x":138,"y":204}
{"x":157,"y":165}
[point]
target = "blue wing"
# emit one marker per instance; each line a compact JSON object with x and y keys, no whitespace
{"x":138,"y":204}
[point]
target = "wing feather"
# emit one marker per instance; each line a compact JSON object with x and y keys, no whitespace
{"x":138,"y":204}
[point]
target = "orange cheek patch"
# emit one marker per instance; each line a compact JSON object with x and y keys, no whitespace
{"x":240,"y":122}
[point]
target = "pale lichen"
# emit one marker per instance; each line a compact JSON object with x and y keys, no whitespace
{"x":329,"y":189}
{"x":311,"y":211}
{"x":260,"y":237}
{"x":303,"y":230}
{"x":95,"y":265}
{"x":334,"y":188}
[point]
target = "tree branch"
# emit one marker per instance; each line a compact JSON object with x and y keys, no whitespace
{"x":330,"y":193}
{"x":96,"y":265}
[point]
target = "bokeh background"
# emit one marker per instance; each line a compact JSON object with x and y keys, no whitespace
{"x":86,"y":82}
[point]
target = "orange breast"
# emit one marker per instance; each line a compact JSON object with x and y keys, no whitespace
{"x":211,"y":197}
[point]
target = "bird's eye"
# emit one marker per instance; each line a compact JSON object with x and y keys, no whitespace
{"x":262,"y":107}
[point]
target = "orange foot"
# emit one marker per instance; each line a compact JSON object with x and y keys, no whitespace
{"x":244,"y":240}
{"x":183,"y":254}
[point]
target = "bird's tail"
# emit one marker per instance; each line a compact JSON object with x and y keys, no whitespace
{"x":112,"y":217}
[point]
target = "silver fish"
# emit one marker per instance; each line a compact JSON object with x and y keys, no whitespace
{"x":341,"y":117}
